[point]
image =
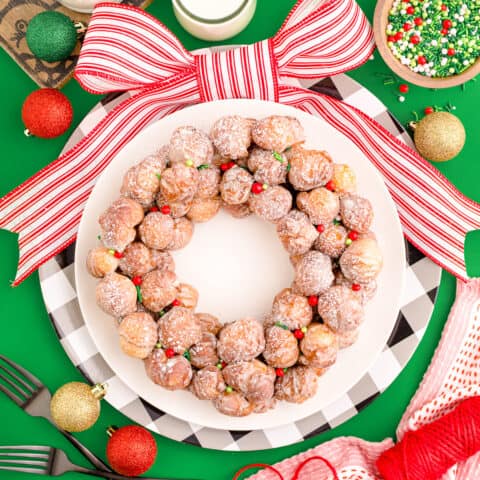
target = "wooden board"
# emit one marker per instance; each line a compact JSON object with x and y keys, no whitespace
{"x":14,"y":18}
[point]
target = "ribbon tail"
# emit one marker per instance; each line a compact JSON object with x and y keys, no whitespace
{"x":46,"y":209}
{"x":435,"y":216}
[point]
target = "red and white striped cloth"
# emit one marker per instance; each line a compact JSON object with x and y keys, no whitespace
{"x":453,"y":375}
{"x":127,"y":49}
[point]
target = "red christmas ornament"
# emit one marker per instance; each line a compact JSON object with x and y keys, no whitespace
{"x":46,"y":113}
{"x":131,"y":450}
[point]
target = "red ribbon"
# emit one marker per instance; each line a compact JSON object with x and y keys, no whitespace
{"x":127,"y":49}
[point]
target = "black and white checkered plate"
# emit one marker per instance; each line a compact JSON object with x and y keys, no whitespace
{"x":422,"y":280}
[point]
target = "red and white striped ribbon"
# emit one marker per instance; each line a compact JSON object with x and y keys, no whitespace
{"x":126,"y":48}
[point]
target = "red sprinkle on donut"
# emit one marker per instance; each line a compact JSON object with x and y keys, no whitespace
{"x":330,"y":185}
{"x":356,"y":287}
{"x":165,"y":210}
{"x":169,"y":352}
{"x":176,"y":303}
{"x":279,"y":372}
{"x":137,"y":280}
{"x":298,"y":334}
{"x":117,"y":254}
{"x":257,"y":188}
{"x":353,"y":235}
{"x":154,"y":208}
{"x":313,"y":300}
{"x":227,"y":166}
{"x":320,"y":228}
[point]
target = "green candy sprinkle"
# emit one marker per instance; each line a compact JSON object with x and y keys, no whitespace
{"x":161,"y":313}
{"x":158,"y":176}
{"x":288,"y":167}
{"x":189,"y":163}
{"x":203,"y":167}
{"x":158,"y":345}
{"x":219,"y":366}
{"x":99,"y":237}
{"x":348,"y":241}
{"x":186,"y":354}
{"x":304,"y":329}
{"x":277,"y":156}
{"x":336,"y":222}
{"x":139,"y":294}
{"x":228,"y":389}
{"x":281,"y":325}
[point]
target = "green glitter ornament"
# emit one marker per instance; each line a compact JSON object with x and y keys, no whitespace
{"x":51,"y":36}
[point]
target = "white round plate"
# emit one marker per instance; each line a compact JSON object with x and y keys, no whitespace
{"x":238,"y":266}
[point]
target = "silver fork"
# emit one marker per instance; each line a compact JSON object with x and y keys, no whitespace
{"x":31,"y":395}
{"x":44,"y":460}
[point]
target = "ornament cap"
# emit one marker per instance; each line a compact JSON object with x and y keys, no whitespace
{"x":111,"y":430}
{"x":81,"y":28}
{"x":27,"y":133}
{"x":99,"y":390}
{"x":413,"y":125}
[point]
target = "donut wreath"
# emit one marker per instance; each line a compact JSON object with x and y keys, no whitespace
{"x":247,"y":166}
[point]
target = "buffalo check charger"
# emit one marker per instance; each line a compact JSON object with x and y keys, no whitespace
{"x":422,"y":280}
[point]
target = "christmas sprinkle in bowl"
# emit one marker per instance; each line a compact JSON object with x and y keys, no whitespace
{"x":410,"y":35}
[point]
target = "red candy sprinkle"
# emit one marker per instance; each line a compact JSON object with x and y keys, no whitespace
{"x":154,"y":208}
{"x":298,"y":334}
{"x":137,"y":280}
{"x":165,"y":209}
{"x":257,"y":188}
{"x":421,"y":60}
{"x":330,"y":185}
{"x":447,"y":23}
{"x":407,"y":26}
{"x":320,"y":228}
{"x":403,"y":88}
{"x":418,"y":21}
{"x":313,"y":300}
{"x":176,"y":303}
{"x":444,"y":31}
{"x":451,"y":52}
{"x":391,"y":38}
{"x":356,"y":287}
{"x":444,"y":7}
{"x":410,"y":10}
{"x":227,"y":166}
{"x":169,"y":352}
{"x":117,"y":254}
{"x":398,"y":36}
{"x":353,"y":235}
{"x":224,"y":364}
{"x":415,"y":39}
{"x":428,"y":110}
{"x":279,"y":372}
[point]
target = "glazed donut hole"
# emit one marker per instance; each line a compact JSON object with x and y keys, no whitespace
{"x":256,"y":168}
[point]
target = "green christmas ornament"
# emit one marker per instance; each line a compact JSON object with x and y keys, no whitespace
{"x":51,"y":36}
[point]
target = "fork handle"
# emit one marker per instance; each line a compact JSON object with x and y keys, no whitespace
{"x":90,"y":456}
{"x":113,"y":476}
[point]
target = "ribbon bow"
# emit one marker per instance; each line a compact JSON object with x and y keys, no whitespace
{"x":127,"y":49}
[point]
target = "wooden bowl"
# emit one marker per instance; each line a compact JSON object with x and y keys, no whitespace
{"x":380,"y":21}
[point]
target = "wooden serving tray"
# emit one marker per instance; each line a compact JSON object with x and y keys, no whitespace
{"x":14,"y":18}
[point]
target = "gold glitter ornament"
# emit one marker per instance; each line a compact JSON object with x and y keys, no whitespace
{"x":439,"y":136}
{"x":75,"y":406}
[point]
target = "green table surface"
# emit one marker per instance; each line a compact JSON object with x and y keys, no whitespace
{"x":27,"y":335}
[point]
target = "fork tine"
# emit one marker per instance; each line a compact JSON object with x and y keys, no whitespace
{"x":31,"y":378}
{"x":16,"y":388}
{"x":18,"y":379}
{"x":38,"y":471}
{"x":32,"y":463}
{"x":33,"y":448}
{"x":11,"y":395}
{"x":43,"y":456}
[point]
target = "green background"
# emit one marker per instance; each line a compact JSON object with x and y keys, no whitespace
{"x":27,"y":335}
